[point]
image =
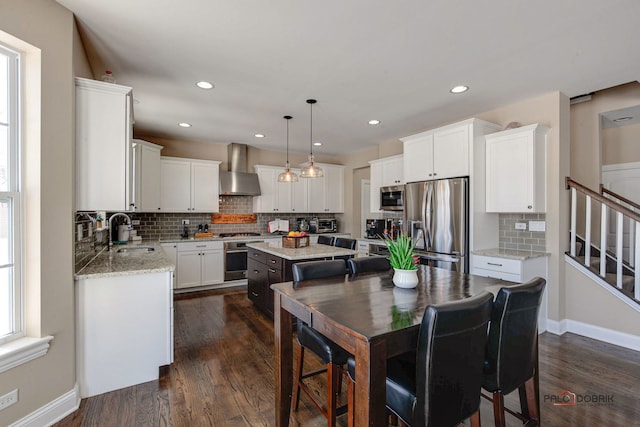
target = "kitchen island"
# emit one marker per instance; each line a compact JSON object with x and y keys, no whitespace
{"x":124,"y":312}
{"x":270,"y":263}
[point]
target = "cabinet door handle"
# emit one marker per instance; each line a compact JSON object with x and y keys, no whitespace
{"x":272,"y":270}
{"x":494,"y":263}
{"x":529,"y":207}
{"x":201,"y":246}
{"x":273,"y":261}
{"x":254,"y":294}
{"x":256,"y":271}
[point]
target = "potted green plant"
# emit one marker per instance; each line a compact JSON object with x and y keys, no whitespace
{"x":401,"y":258}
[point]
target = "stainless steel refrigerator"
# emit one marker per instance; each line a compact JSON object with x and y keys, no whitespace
{"x":436,"y":215}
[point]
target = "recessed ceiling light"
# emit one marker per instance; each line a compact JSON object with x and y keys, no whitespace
{"x":204,"y":85}
{"x":459,"y":89}
{"x":317,"y":144}
{"x":184,"y":125}
{"x":623,"y":119}
{"x":374,"y":122}
{"x":259,"y":135}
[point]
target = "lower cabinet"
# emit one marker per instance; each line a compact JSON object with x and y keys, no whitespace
{"x":514,"y":270}
{"x":199,"y":264}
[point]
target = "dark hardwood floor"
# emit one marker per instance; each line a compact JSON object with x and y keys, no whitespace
{"x":223,"y":375}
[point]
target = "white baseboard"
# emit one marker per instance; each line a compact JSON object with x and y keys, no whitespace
{"x":599,"y":333}
{"x":53,"y":411}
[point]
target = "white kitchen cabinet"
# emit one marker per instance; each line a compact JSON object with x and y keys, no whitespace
{"x":104,"y":158}
{"x":280,"y":196}
{"x":513,"y":270}
{"x":189,"y":185}
{"x":444,"y":152}
{"x":146,"y":173}
{"x":384,"y":172}
{"x":326,"y":194}
{"x":516,"y":170}
{"x":124,"y":330}
{"x":199,"y":264}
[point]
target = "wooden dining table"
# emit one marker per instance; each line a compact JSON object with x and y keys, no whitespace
{"x":370,"y":318}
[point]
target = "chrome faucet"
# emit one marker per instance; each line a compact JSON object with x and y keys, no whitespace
{"x":110,"y":240}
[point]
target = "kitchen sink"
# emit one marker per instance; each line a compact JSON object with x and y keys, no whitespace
{"x":136,"y":249}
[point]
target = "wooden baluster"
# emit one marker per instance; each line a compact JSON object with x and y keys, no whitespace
{"x":574,"y":196}
{"x":604,"y":223}
{"x":587,"y":233}
{"x":619,"y":236}
{"x":636,"y":279}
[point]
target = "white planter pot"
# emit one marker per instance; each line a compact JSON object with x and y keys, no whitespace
{"x":405,"y":278}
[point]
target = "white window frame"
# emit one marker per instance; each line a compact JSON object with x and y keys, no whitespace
{"x":14,"y":195}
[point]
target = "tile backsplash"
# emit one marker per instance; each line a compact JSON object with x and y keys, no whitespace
{"x":157,"y":226}
{"x":525,"y":240}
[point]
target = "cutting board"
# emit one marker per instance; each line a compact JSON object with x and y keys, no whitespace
{"x":234,"y":218}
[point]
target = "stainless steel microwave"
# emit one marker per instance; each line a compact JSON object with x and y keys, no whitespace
{"x":392,"y":198}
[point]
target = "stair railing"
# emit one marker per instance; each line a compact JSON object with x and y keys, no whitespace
{"x":631,"y":205}
{"x":621,"y":212}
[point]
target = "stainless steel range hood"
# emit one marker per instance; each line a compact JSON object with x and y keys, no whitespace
{"x":238,"y":182}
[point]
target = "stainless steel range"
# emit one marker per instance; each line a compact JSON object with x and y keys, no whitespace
{"x":235,"y":255}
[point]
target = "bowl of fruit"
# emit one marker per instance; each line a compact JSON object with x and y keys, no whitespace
{"x":295,"y":239}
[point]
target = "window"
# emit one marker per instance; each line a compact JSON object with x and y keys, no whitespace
{"x":11,"y":289}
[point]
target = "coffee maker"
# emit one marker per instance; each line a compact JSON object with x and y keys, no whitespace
{"x":374,"y":228}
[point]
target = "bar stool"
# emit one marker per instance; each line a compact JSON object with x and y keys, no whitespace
{"x":512,"y":351}
{"x":439,"y":384}
{"x":329,"y":352}
{"x":325,"y":240}
{"x":368,"y":264}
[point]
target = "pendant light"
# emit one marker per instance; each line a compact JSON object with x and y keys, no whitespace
{"x":287,"y":175}
{"x":311,"y":170}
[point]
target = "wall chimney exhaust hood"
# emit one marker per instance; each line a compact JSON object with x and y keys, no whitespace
{"x":238,"y":182}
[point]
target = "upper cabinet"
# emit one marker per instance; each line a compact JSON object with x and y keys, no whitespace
{"x":146,"y":171}
{"x":326,"y":194}
{"x":104,"y":160}
{"x":308,"y":195}
{"x":384,"y":172}
{"x":189,"y":185}
{"x":280,"y":196}
{"x":437,"y":154}
{"x":516,"y":171}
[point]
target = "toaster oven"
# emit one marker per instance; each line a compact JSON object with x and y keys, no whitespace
{"x":323,"y":225}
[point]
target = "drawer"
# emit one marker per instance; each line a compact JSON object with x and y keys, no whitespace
{"x":199,"y":246}
{"x":274,"y":262}
{"x":504,"y":265}
{"x":257,"y":255}
{"x":497,"y":274}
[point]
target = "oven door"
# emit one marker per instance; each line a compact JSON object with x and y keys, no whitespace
{"x":235,"y":260}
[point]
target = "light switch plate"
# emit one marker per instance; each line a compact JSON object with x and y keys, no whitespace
{"x":521,"y":225}
{"x":537,"y":226}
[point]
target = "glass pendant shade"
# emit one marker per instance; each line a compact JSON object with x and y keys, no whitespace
{"x":287,"y":175}
{"x":311,"y":170}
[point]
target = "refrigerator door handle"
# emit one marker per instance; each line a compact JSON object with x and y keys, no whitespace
{"x":441,"y":258}
{"x":427,"y":214}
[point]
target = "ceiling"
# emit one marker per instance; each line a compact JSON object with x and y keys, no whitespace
{"x":394,"y":61}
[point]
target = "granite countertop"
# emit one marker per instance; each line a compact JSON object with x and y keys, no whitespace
{"x":226,"y":239}
{"x":309,"y":252}
{"x":112,"y":263}
{"x":509,"y":253}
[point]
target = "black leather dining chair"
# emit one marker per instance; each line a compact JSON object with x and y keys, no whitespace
{"x":439,"y":384}
{"x":325,"y":240}
{"x":331,"y":354}
{"x":511,"y":357}
{"x":368,"y":264}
